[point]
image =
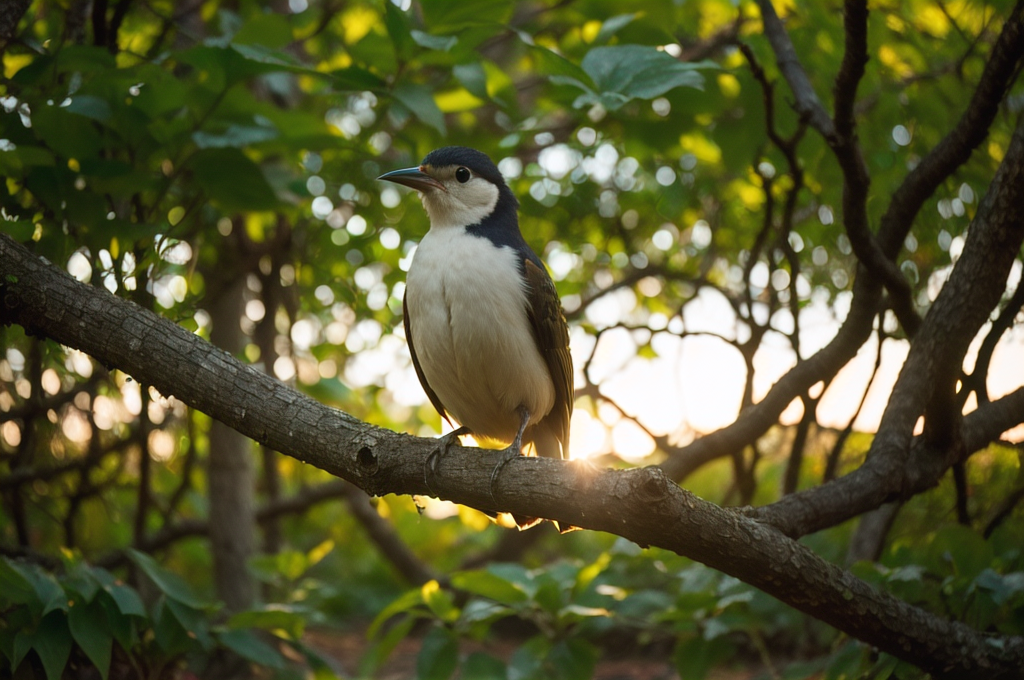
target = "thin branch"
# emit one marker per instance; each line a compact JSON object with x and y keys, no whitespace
{"x":956,"y":147}
{"x":378,"y":529}
{"x":855,"y":58}
{"x":807,"y":103}
{"x":832,"y":463}
{"x":977,"y":381}
{"x":840,"y":136}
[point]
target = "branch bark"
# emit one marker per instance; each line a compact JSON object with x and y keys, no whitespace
{"x":641,"y":505}
{"x":900,"y":465}
{"x":920,"y":183}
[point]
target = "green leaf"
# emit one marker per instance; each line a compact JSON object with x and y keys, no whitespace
{"x":231,"y":180}
{"x":381,"y":649}
{"x":90,"y":107}
{"x":169,"y":583}
{"x":88,"y":624}
{"x":270,"y":618}
{"x":407,"y":601}
{"x":81,"y":580}
{"x":848,"y":662}
{"x":473,"y":78}
{"x":448,"y":16}
{"x":192,"y":620}
{"x":695,"y":656}
{"x":419,"y":99}
{"x":248,"y":645}
{"x":52,"y":642}
{"x":440,"y":602}
{"x":551,"y":63}
{"x":269,"y":30}
{"x":516,"y":574}
{"x":439,"y":655}
{"x":612,"y":25}
{"x":263,"y":59}
{"x":625,"y":72}
{"x":127,"y":600}
{"x":15,"y":587}
{"x":549,"y":596}
{"x":49,"y":593}
{"x":482,"y":666}
{"x":487,"y":584}
{"x":122,"y":626}
{"x":573,"y":659}
{"x":355,"y":79}
{"x":527,"y":662}
{"x":1001,"y":587}
{"x":477,"y":612}
{"x":441,"y":43}
{"x":26,"y":157}
{"x":397,"y":23}
{"x":170,"y":635}
{"x":575,"y":612}
{"x":962,"y":549}
{"x":69,"y":135}
{"x":85,"y":58}
{"x":234,"y":136}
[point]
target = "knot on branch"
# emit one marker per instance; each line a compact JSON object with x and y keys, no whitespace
{"x":652,"y":486}
{"x":367,"y":459}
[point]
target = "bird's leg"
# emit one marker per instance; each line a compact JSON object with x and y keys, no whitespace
{"x":445,"y":442}
{"x":514,"y":450}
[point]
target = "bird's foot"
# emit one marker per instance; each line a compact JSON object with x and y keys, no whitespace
{"x":514,"y":450}
{"x":444,"y":443}
{"x":507,"y":454}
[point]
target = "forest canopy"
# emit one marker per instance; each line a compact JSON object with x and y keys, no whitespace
{"x":787,"y":240}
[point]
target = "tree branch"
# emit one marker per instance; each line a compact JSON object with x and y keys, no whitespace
{"x":640,"y":505}
{"x":841,"y":138}
{"x":956,"y":147}
{"x":807,"y":103}
{"x":900,"y":465}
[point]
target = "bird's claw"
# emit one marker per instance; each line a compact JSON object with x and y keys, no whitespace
{"x":507,"y":455}
{"x":444,"y":443}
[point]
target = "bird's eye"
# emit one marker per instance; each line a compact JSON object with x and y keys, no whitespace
{"x":462,"y":174}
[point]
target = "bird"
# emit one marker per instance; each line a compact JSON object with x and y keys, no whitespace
{"x":484,"y":324}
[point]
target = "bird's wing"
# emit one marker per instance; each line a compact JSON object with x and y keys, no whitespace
{"x":552,"y":335}
{"x":416,"y":364}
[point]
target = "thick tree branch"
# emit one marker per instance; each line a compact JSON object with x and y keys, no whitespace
{"x":900,"y":465}
{"x":919,"y":184}
{"x":641,"y":505}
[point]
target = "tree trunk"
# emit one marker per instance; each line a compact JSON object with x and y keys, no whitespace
{"x":231,"y":475}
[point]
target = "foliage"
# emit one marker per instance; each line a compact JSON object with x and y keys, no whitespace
{"x":186,"y":151}
{"x":84,"y":617}
{"x":707,"y":619}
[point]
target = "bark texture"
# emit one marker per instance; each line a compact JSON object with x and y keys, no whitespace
{"x":231,"y":476}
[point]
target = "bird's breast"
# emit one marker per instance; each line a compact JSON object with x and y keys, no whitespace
{"x":467,"y":309}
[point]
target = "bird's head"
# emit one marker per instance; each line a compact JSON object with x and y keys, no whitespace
{"x":460,"y":186}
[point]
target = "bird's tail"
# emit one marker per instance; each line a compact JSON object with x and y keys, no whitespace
{"x":546,"y":443}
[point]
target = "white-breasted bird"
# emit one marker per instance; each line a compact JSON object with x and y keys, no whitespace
{"x":483,"y":320}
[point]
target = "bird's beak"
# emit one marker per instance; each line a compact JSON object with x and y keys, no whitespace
{"x":414,"y":178}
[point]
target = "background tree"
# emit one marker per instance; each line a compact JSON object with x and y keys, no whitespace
{"x":706,"y":210}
